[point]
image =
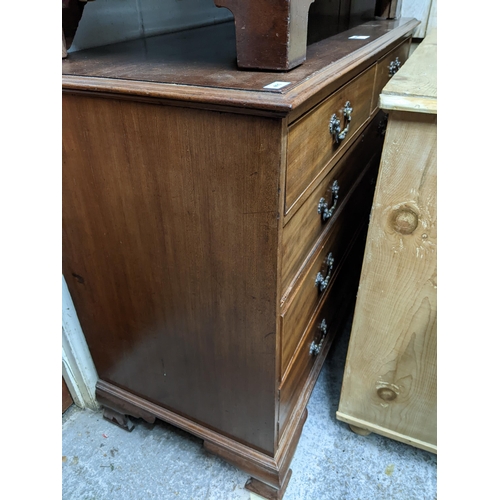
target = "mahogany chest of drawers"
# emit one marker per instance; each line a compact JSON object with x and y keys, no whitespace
{"x":213,"y":224}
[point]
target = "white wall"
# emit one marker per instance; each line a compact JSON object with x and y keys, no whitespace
{"x":78,"y":368}
{"x":111,"y":21}
{"x":423,"y":10}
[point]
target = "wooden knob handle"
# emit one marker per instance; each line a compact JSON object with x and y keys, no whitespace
{"x":386,"y":394}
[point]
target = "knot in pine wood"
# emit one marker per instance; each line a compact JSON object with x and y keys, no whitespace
{"x":405,"y":220}
{"x":386,"y":394}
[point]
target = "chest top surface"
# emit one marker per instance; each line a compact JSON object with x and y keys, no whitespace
{"x":200,"y":65}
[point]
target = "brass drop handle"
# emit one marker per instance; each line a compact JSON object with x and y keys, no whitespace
{"x":323,"y":209}
{"x":394,"y":67}
{"x":335,"y":128}
{"x":315,"y":348}
{"x":322,"y":281}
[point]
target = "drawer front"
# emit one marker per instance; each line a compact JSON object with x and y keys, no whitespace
{"x":330,"y":319}
{"x":311,"y":145}
{"x":387,"y":67}
{"x":310,"y":291}
{"x":316,"y":216}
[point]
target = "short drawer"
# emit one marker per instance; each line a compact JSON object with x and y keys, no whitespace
{"x":329,"y":320}
{"x":316,"y":281}
{"x":313,"y":140}
{"x":387,"y":67}
{"x":318,"y":213}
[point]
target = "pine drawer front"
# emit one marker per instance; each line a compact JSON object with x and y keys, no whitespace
{"x":311,"y":144}
{"x":387,"y":67}
{"x":304,"y":232}
{"x":325,"y":326}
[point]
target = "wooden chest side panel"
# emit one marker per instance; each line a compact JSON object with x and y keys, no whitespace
{"x":390,"y":376}
{"x":170,"y":234}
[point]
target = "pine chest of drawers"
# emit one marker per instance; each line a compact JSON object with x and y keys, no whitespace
{"x":213,"y":224}
{"x":390,"y":380}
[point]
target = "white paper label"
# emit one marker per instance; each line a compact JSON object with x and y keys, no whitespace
{"x":277,"y":85}
{"x":359,"y":37}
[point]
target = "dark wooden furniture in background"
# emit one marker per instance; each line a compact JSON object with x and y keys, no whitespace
{"x":269,"y":35}
{"x":273,"y":35}
{"x":67,"y":400}
{"x":329,"y":17}
{"x":72,"y":11}
{"x":390,"y":9}
{"x":213,"y":224}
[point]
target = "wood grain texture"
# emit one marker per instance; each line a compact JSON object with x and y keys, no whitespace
{"x":157,"y":213}
{"x":306,"y":297}
{"x":359,"y":430}
{"x":383,"y":75}
{"x":273,"y":472}
{"x":364,"y":428}
{"x":307,"y":225}
{"x":304,"y":164}
{"x":269,"y":35}
{"x":263,"y":490}
{"x":335,"y":310}
{"x":269,"y":469}
{"x":198,"y":66}
{"x":414,"y":87}
{"x":174,"y":170}
{"x":390,"y":376}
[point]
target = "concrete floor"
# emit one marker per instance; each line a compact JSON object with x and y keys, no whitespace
{"x":103,"y":462}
